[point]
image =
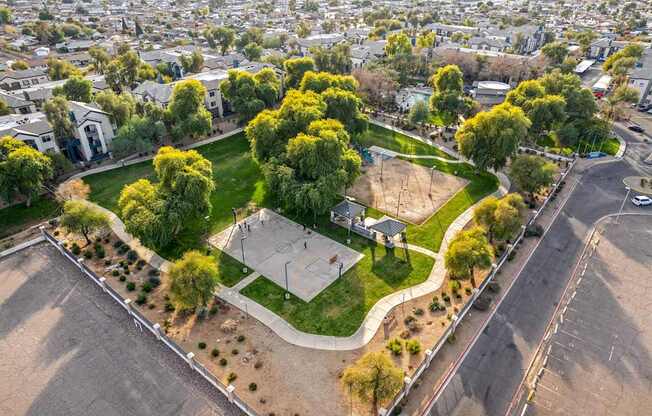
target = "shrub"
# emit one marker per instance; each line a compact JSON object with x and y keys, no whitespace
{"x":201,"y":313}
{"x":231,"y":377}
{"x":152,"y":305}
{"x":88,"y":254}
{"x":418,"y":311}
{"x":409,"y":319}
{"x":253,"y":387}
{"x":122,"y":277}
{"x":446,"y":298}
{"x":75,"y":249}
{"x":56,"y":233}
{"x":127,"y":272}
{"x":107,"y":262}
{"x":147,"y":287}
{"x":154,"y":272}
{"x":141,"y":299}
{"x":131,"y":286}
{"x":395,"y":346}
{"x":436,"y":306}
{"x":494,"y":287}
{"x":413,"y":346}
{"x":99,"y":251}
{"x":241,"y":338}
{"x":154,"y":281}
{"x":213,"y":310}
{"x":455,"y":285}
{"x":132,"y":255}
{"x":169,"y":307}
{"x":468,"y":291}
{"x":235,"y":351}
{"x":258,"y":364}
{"x":215,"y":352}
{"x":223,"y":362}
{"x":534,"y":230}
{"x":117,"y":244}
{"x":115,"y":273}
{"x":202,"y":345}
{"x":140,"y":263}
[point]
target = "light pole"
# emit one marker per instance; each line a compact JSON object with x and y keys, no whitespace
{"x":398,"y":206}
{"x":287,"y":286}
{"x":620,"y":211}
{"x":244,"y":269}
{"x":432,"y":173}
{"x":235,"y":216}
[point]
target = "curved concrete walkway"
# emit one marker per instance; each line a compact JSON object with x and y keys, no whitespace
{"x":281,"y":327}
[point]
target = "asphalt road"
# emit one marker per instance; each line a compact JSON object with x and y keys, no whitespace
{"x":598,"y":360}
{"x":490,"y":374}
{"x":68,"y":349}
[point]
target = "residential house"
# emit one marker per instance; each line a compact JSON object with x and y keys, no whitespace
{"x":14,"y":80}
{"x":16,"y":104}
{"x":640,"y":78}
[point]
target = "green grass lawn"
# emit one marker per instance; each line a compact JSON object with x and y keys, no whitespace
{"x":609,"y":146}
{"x":341,"y":307}
{"x":389,"y":139}
{"x":19,"y":217}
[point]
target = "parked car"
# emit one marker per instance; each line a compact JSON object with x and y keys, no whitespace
{"x":636,"y":128}
{"x":644,"y":107}
{"x":641,"y":201}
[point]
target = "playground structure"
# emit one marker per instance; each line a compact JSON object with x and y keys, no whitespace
{"x":402,"y":189}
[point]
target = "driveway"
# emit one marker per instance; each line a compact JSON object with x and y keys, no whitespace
{"x":68,"y":349}
{"x":489,"y":375}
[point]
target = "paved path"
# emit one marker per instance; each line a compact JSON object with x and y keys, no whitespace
{"x":281,"y":327}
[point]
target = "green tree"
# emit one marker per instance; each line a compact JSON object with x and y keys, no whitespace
{"x":76,"y":89}
{"x":137,"y":135}
{"x":613,"y":107}
{"x":59,"y":69}
{"x":82,"y":218}
{"x":100,"y":57}
{"x":374,"y":378}
{"x":19,"y":65}
{"x":556,"y":52}
{"x":295,"y":68}
{"x":398,"y":44}
{"x":23,"y":170}
{"x":336,"y":60}
{"x":250,"y":94}
{"x":630,"y":51}
{"x":468,"y":251}
{"x":193,"y":280}
{"x":321,"y":81}
{"x":6,"y":16}
{"x":158,"y":213}
{"x":222,"y":37}
{"x":252,"y":51}
{"x":544,"y":111}
{"x":531,"y":173}
{"x":346,"y":107}
{"x":303,"y":29}
{"x":448,"y":98}
{"x":57,"y":113}
{"x":491,"y":137}
{"x":4,"y":108}
{"x":426,"y":40}
{"x":121,"y":107}
{"x":419,"y":113}
{"x":186,"y":114}
{"x":193,"y":62}
{"x":500,"y":218}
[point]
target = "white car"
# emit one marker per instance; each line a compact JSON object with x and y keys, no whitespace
{"x":641,"y":201}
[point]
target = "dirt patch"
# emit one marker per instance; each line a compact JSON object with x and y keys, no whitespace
{"x":418,"y":199}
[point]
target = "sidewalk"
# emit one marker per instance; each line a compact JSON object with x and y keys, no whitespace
{"x":287,"y":332}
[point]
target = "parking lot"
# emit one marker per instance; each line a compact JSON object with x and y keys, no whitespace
{"x":68,"y":349}
{"x":599,"y":360}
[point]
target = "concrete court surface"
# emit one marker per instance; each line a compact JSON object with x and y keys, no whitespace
{"x":418,"y":201}
{"x":600,"y":362}
{"x":274,"y":240}
{"x":68,"y":349}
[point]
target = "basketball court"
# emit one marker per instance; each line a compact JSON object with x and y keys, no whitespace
{"x":402,"y":189}
{"x":273,"y":243}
